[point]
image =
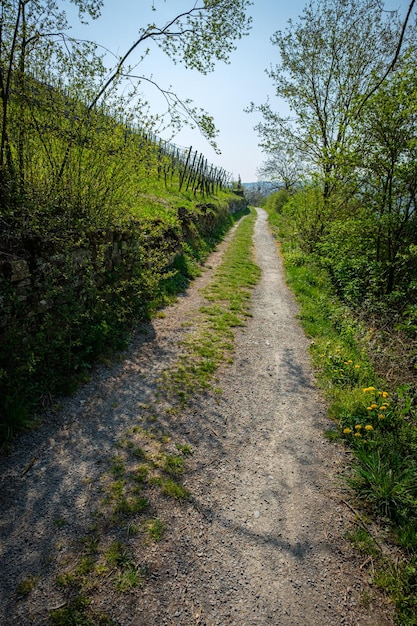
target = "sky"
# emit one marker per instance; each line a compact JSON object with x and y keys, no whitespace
{"x":224,"y":93}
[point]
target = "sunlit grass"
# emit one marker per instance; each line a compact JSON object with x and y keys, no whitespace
{"x":229,"y":295}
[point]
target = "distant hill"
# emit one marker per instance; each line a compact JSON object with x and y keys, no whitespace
{"x":261,"y":186}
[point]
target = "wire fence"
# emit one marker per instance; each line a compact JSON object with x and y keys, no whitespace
{"x":194,"y":170}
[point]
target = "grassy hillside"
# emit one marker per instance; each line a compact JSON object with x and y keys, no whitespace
{"x":101,"y":225}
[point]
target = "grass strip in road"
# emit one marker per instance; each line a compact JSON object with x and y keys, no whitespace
{"x":228,"y":305}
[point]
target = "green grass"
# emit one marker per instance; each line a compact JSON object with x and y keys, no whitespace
{"x":79,"y":613}
{"x":165,"y":255}
{"x":228,"y":297}
{"x":25,"y":586}
{"x":155,"y":529}
{"x":174,"y":464}
{"x":118,"y":555}
{"x":172,"y":489}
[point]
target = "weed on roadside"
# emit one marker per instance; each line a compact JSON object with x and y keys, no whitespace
{"x":25,"y":586}
{"x":78,"y":613}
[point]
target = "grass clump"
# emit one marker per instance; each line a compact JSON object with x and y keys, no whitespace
{"x":155,"y":529}
{"x":79,"y":613}
{"x":173,"y":464}
{"x":174,"y":490}
{"x":25,"y":586}
{"x":129,"y":574}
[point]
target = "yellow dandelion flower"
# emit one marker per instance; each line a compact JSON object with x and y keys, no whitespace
{"x":380,"y":416}
{"x":383,"y":407}
{"x":350,"y":361}
{"x":357,"y":367}
{"x":374,"y":406}
{"x":358,"y":426}
{"x":358,"y":435}
{"x":369,"y":389}
{"x":347,"y":431}
{"x":384,"y":394}
{"x":369,"y":427}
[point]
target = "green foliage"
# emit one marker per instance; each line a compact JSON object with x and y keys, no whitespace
{"x":174,"y":464}
{"x":130,"y":578}
{"x":338,"y":371}
{"x":408,"y":323}
{"x":185,"y":448}
{"x":307,"y":215}
{"x":324,"y":80}
{"x":91,"y":297}
{"x":387,"y":484}
{"x":276,"y":201}
{"x":346,"y":253}
{"x":386,"y":176}
{"x":118,"y":555}
{"x":129,"y":575}
{"x":174,"y":490}
{"x":79,"y":613}
{"x":25,"y":586}
{"x":90,"y":200}
{"x":60,"y":144}
{"x":400,"y":580}
{"x":354,"y":126}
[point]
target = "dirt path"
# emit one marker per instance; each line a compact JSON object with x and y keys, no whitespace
{"x":260,"y":543}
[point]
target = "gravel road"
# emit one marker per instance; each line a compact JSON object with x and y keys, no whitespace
{"x":262,"y":539}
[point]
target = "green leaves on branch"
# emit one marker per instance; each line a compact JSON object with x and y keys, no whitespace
{"x":323,"y":76}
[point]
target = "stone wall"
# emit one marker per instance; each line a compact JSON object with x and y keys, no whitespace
{"x":36,"y":274}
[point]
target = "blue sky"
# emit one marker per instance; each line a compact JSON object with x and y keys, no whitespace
{"x":225,"y":93}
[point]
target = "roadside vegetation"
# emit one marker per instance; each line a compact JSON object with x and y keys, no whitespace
{"x":374,"y":410}
{"x":347,"y":222}
{"x":227,"y":307}
{"x":148,"y":470}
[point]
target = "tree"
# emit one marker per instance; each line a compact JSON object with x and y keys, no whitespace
{"x":330,"y":59}
{"x":386,"y":159}
{"x":282,"y":168}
